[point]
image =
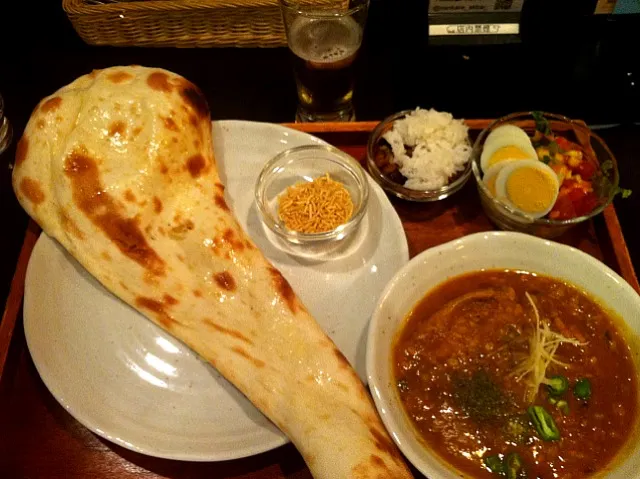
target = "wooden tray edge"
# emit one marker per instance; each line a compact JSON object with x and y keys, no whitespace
{"x":16,"y":292}
{"x":364,"y":126}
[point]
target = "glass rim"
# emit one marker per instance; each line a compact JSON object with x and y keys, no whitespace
{"x":341,"y":158}
{"x":314,"y":12}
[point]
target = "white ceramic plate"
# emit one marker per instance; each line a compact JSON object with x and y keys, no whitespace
{"x":473,"y":253}
{"x":133,"y":384}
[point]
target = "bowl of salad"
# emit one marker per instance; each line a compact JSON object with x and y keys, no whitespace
{"x":542,"y":173}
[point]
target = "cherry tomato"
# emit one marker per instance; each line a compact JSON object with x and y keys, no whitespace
{"x":585,"y":169}
{"x":563,"y":209}
{"x":565,"y":144}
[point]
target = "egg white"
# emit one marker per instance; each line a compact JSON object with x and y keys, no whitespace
{"x":492,"y":173}
{"x":506,"y":135}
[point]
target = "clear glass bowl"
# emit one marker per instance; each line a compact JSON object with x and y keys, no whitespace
{"x":306,"y":163}
{"x":396,"y":188}
{"x":509,"y":219}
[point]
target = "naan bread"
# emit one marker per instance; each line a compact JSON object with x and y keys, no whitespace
{"x":118,"y":166}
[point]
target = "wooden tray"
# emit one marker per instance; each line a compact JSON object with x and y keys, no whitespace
{"x":39,"y":439}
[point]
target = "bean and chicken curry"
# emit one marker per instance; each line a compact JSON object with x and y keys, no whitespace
{"x":517,"y":375}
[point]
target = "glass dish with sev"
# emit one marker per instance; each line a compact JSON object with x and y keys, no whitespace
{"x":312,"y":194}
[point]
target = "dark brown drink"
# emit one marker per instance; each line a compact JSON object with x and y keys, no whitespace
{"x":323,"y":53}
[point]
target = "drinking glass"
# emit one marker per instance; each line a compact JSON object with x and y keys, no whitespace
{"x":324,"y":37}
{"x":5,"y":129}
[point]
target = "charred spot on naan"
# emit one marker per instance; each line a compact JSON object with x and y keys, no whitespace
{"x":194,"y":98}
{"x":51,"y":104}
{"x":105,"y":256}
{"x":136,"y":131}
{"x":284,"y":289}
{"x":374,"y":467}
{"x":129,"y":196}
{"x":343,"y":362}
{"x":227,"y":331}
{"x":181,"y":228}
{"x":31,"y":190}
{"x":257,"y":362}
{"x":119,"y":77}
{"x":70,"y":226}
{"x":159,"y":81}
{"x":21,"y":150}
{"x":157,"y":307}
{"x":164,"y":169}
{"x":221,"y":203}
{"x":225,"y":280}
{"x":117,"y":128}
{"x":197,"y":293}
{"x":170,"y":300}
{"x":383,"y":443}
{"x":169,"y":124}
{"x":40,"y":124}
{"x":102,"y":209}
{"x":157,"y":205}
{"x":196,"y":165}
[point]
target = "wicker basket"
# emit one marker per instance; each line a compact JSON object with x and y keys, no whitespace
{"x":179,"y":23}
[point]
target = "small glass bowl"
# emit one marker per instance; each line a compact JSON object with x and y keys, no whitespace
{"x":396,"y":188}
{"x":305,"y":163}
{"x":507,"y":218}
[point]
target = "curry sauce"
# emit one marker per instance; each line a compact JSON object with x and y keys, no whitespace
{"x":454,"y":363}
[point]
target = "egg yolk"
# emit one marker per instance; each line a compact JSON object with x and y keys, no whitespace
{"x":530,"y":190}
{"x":507,"y":153}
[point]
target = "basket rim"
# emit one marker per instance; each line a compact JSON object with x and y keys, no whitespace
{"x":81,"y":7}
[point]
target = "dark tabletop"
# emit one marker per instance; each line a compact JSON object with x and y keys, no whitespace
{"x":567,"y":61}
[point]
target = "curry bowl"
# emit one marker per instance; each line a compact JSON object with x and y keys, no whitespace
{"x":483,"y":252}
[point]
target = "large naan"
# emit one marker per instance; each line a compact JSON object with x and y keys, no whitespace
{"x":118,"y":166}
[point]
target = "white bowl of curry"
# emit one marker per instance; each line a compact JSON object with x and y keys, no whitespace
{"x":505,"y":355}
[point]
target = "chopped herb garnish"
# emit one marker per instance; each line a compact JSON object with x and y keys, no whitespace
{"x":563,"y":406}
{"x":517,"y":429}
{"x":546,"y":159}
{"x":553,"y":147}
{"x":515,"y":466}
{"x":495,"y":464}
{"x":542,"y":125}
{"x":479,"y":397}
{"x":557,"y":385}
{"x":582,"y":389}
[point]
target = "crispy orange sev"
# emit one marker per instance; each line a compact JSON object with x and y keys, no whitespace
{"x":315,"y":206}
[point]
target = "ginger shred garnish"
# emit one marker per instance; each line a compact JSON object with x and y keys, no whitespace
{"x":543,"y":345}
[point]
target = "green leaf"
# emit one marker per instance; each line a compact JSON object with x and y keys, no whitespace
{"x":542,"y":125}
{"x":624,"y":192}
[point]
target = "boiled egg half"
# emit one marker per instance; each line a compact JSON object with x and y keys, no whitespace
{"x":506,"y":143}
{"x":527,"y":186}
{"x":490,"y":177}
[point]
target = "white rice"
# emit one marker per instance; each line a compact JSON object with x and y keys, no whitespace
{"x":441,"y":148}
